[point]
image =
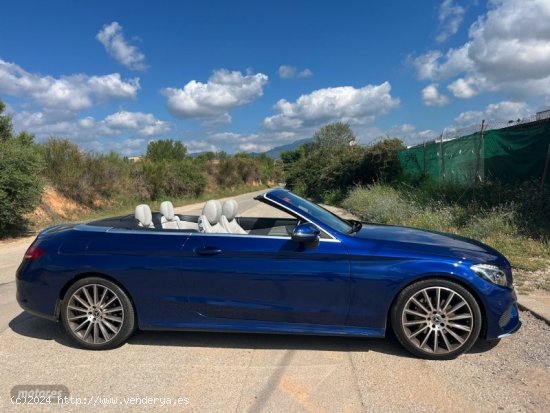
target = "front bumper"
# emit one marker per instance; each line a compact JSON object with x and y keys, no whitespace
{"x":501,"y":313}
{"x":518,"y":326}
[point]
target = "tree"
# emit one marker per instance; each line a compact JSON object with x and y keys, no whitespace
{"x":6,"y":128}
{"x":20,"y":185}
{"x":166,"y":150}
{"x":333,"y":135}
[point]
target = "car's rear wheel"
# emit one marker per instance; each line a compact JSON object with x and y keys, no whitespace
{"x":97,"y":314}
{"x":436,"y":319}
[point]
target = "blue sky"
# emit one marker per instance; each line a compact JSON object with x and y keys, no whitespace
{"x":249,"y":75}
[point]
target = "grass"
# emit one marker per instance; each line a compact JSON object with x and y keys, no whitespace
{"x":497,"y":226}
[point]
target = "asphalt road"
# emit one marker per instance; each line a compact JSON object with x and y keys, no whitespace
{"x":210,"y":372}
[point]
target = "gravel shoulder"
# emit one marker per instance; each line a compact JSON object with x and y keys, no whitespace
{"x":273,"y":373}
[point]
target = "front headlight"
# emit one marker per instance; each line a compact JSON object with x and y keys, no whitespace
{"x":492,"y":273}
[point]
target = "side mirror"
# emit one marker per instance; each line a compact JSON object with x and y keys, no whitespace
{"x":307,"y":234}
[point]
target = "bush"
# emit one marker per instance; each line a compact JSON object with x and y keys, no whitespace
{"x":89,"y":178}
{"x":20,"y":183}
{"x":66,"y":169}
{"x":527,"y":202}
{"x":173,"y":178}
{"x":244,"y":169}
{"x":500,"y":226}
{"x":495,"y":221}
{"x":327,"y":168}
{"x":380,"y":204}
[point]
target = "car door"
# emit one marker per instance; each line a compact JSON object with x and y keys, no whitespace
{"x":147,"y":263}
{"x":266,"y":278}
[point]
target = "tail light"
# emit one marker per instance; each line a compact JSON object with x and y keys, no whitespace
{"x":33,"y":253}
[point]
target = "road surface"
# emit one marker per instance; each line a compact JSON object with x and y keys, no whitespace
{"x":210,"y":372}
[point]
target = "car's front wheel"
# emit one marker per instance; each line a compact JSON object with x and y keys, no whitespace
{"x":97,"y":314}
{"x":436,"y":319}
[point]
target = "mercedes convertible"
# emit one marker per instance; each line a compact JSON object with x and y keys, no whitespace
{"x":304,"y":271}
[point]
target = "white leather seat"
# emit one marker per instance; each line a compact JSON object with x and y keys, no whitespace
{"x":144,"y":216}
{"x":227,"y":220}
{"x":170,"y":220}
{"x":210,"y":217}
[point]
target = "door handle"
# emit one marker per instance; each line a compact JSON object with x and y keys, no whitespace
{"x":207,"y":251}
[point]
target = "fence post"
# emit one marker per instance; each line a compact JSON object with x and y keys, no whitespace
{"x":480,"y":152}
{"x":545,"y":168}
{"x":442,"y":172}
{"x":424,"y":156}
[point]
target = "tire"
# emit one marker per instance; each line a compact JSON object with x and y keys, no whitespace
{"x":436,"y":319}
{"x":97,"y":314}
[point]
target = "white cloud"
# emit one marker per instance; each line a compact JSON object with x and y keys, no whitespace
{"x":251,"y":142}
{"x":408,"y":133}
{"x":233,"y":138}
{"x":295,"y":120}
{"x":469,"y":117}
{"x":223,"y":91}
{"x":400,"y":130}
{"x":223,"y":119}
{"x":45,"y":124}
{"x":465,"y":88}
{"x":432,"y":97}
{"x":254,"y":147}
{"x":426,"y":134}
{"x":112,"y":86}
{"x":290,"y":72}
{"x":508,"y":51}
{"x":112,"y":38}
{"x":346,"y":104}
{"x":127,"y":147}
{"x":194,"y":146}
{"x":497,"y":112}
{"x":145,"y":124}
{"x":450,"y":18}
{"x":70,"y":93}
{"x":434,"y":65}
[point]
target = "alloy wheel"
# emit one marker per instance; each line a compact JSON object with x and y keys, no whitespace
{"x":437,"y":320}
{"x":95,"y":314}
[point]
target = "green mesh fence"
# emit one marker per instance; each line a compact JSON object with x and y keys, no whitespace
{"x":507,"y":155}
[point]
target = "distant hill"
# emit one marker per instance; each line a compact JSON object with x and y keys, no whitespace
{"x":276,"y":152}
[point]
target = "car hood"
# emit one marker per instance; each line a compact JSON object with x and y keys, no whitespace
{"x":419,"y":241}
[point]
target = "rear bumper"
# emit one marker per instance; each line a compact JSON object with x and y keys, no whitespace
{"x":24,"y":305}
{"x":32,"y":298}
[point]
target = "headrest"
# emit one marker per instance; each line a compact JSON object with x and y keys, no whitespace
{"x":212,"y":211}
{"x":167,"y":210}
{"x":143,"y":215}
{"x":230,"y":209}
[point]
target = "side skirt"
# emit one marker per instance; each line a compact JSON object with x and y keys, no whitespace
{"x":270,"y":328}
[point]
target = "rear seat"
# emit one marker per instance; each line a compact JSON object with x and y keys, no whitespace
{"x":227,"y":220}
{"x":210,"y":217}
{"x":170,"y":220}
{"x":144,"y":216}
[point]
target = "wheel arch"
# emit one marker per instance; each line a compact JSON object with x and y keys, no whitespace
{"x":83,"y":275}
{"x":446,"y":277}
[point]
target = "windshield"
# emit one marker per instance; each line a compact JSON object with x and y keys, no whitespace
{"x":316,"y":211}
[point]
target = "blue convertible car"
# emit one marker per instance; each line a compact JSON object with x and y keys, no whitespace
{"x":310,"y":272}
